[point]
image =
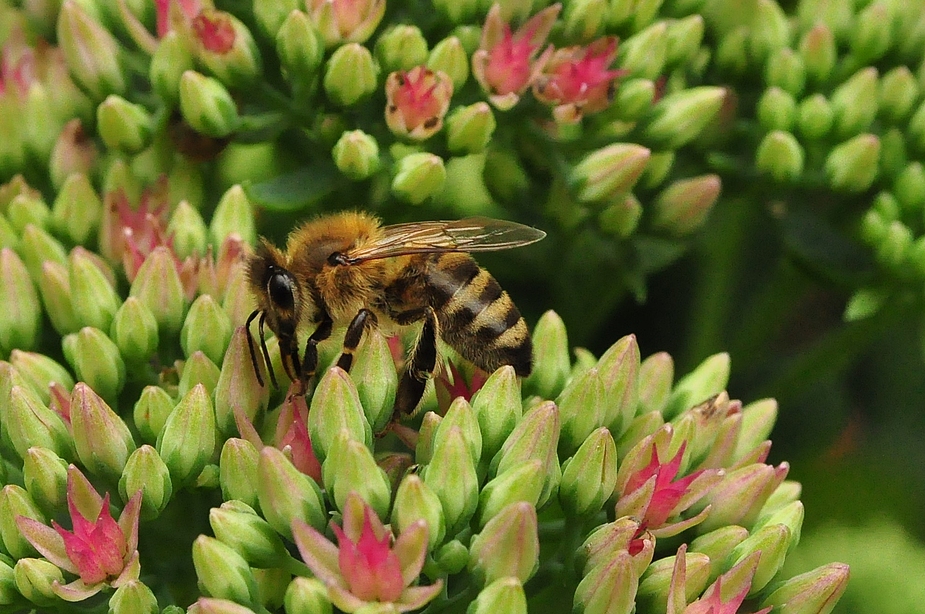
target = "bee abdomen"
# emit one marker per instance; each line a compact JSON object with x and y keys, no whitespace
{"x":477,"y":318}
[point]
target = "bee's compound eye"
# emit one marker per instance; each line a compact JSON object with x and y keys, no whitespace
{"x":280,"y":288}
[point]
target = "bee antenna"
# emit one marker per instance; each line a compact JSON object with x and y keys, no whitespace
{"x":250,"y":343}
{"x":266,"y":354}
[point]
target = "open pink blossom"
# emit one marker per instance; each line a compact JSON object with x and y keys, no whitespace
{"x":368,"y":566}
{"x":345,"y":21}
{"x":735,"y":583}
{"x":450,"y":387}
{"x":102,"y":551}
{"x":172,"y":12}
{"x":416,"y":102}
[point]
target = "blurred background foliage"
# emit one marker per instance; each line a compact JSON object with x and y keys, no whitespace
{"x":808,"y":268}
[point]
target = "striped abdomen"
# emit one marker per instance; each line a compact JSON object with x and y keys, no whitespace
{"x":477,"y":318}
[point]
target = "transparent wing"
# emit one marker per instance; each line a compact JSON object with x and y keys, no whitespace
{"x":474,"y":234}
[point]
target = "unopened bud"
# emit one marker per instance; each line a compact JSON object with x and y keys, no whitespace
{"x":401,"y":47}
{"x":503,"y":595}
{"x":93,"y":55}
{"x":819,"y":53}
{"x":77,"y":210}
{"x":683,"y":206}
{"x":356,"y":155}
{"x":508,"y":546}
{"x":134,"y":331}
{"x":188,"y":439}
{"x":350,"y":74}
{"x":780,"y":156}
{"x":813,"y":592}
{"x":96,"y":361}
{"x":102,"y":440}
{"x":418,"y":176}
{"x":634,"y":99}
{"x":589,"y":477}
{"x":171,"y":59}
{"x":225,"y":47}
{"x":785,"y":70}
{"x":145,"y":471}
{"x":777,"y":109}
{"x":234,"y":214}
{"x":14,"y":502}
{"x":300,"y":49}
{"x":815,"y":117}
{"x":158,"y":286}
{"x":122,"y":125}
{"x":551,"y":364}
{"x":684,"y":38}
{"x":872,"y":33}
{"x":45,"y":479}
{"x":449,"y":57}
{"x":35,"y":579}
{"x":679,"y":118}
{"x":854,"y":103}
{"x":222,"y":572}
{"x":19,"y":327}
{"x":286,"y":494}
{"x":898,"y":93}
{"x":415,"y":501}
{"x":307,"y":595}
{"x":207,"y":106}
{"x":133,"y":597}
{"x":707,"y":379}
{"x":451,"y":475}
{"x":469,"y":129}
{"x":644,"y":54}
{"x":852,"y":165}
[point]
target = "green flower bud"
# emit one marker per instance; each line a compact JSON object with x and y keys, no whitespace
{"x":124,"y":126}
{"x":679,"y":118}
{"x":233,"y":215}
{"x":772,"y":542}
{"x":451,"y":475}
{"x":608,"y":587}
{"x":93,"y":296}
{"x":852,"y":165}
{"x":776,"y":109}
{"x":741,"y":493}
{"x":188,"y":439}
{"x":414,"y":501}
{"x":655,"y":583}
{"x":171,"y":59}
{"x":133,"y":597}
{"x":909,"y":188}
{"x":718,"y":544}
{"x":460,"y":415}
{"x":508,"y":546}
{"x":151,"y":412}
{"x":19,"y":326}
{"x":222,"y":572}
{"x":54,"y":284}
{"x":9,"y":236}
{"x":25,"y":209}
{"x":40,"y":371}
{"x":237,"y":525}
{"x":424,"y":450}
{"x":684,"y":38}
{"x":376,"y":381}
{"x":497,"y":407}
{"x":707,"y":379}
{"x":74,"y":152}
{"x":536,"y":437}
{"x":582,"y":408}
{"x":37,"y":247}
{"x":815,"y":117}
{"x":14,"y":501}
{"x":286,"y":494}
{"x":606,"y":541}
{"x":207,"y":605}
{"x":503,"y":595}
{"x":350,"y":75}
{"x":120,"y":176}
{"x":224,"y":46}
{"x":29,"y":422}
{"x":898,"y":93}
{"x":758,"y":419}
{"x":356,"y":155}
{"x":621,"y":218}
{"x":401,"y":47}
{"x":683,"y":206}
{"x":781,"y":156}
{"x":158,"y":286}
{"x":814,"y":592}
{"x":145,"y":471}
{"x":307,"y":595}
{"x":656,"y":374}
{"x":351,"y":468}
{"x":102,"y":440}
{"x":731,"y":53}
{"x":521,"y":483}
{"x":134,"y":331}
{"x":92,"y":54}
{"x":790,"y":515}
{"x":634,"y":99}
{"x":589,"y":477}
{"x":915,"y":132}
{"x":206,"y":329}
{"x":198,"y":369}
{"x":817,"y":48}
{"x":77,"y":210}
{"x":270,"y":16}
{"x":301,"y":51}
{"x":773,"y":32}
{"x":336,"y":407}
{"x":8,"y":593}
{"x":469,"y":129}
{"x":449,"y":57}
{"x":238,"y":471}
{"x":188,"y":231}
{"x":504,"y":175}
{"x":418,"y":176}
{"x":872,"y":34}
{"x":45,"y":479}
{"x":452,"y":557}
{"x":785,"y":71}
{"x":584,"y":20}
{"x":96,"y":361}
{"x":237,"y":385}
{"x":854,"y":103}
{"x":644,"y":54}
{"x":893,"y":251}
{"x":551,"y":363}
{"x":35,"y":580}
{"x":207,"y":106}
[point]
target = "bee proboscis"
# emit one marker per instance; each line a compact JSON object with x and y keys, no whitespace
{"x":347,"y":269}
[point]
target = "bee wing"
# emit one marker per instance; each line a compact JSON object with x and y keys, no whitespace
{"x":474,"y":234}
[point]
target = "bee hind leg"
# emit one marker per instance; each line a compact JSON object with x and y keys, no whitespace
{"x":361,"y":321}
{"x":420,"y":369}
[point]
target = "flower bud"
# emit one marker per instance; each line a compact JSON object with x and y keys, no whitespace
{"x":815,"y":117}
{"x":286,"y":494}
{"x":582,"y":409}
{"x":123,"y":126}
{"x":606,"y":541}
{"x":134,"y":331}
{"x":133,"y":597}
{"x":74,"y":152}
{"x":238,"y":471}
{"x":29,"y":422}
{"x":92,"y":54}
{"x":206,"y":329}
{"x":707,"y":379}
{"x":415,"y":501}
{"x":852,"y":165}
{"x":452,"y":557}
{"x":718,"y":544}
{"x":37,"y":247}
{"x":740,"y":495}
{"x":449,"y":57}
{"x":237,"y":525}
{"x":469,"y":129}
{"x":234,"y":214}
{"x":608,"y":587}
{"x":785,"y":70}
{"x":497,"y":407}
{"x":171,"y":59}
{"x":14,"y":501}
{"x":908,"y":188}
{"x":353,"y":23}
{"x":24,"y":210}
{"x":418,"y":176}
{"x":915,"y":133}
{"x":503,"y":595}
{"x":270,"y":16}
{"x":776,"y":109}
{"x":683,"y":206}
{"x":96,"y":361}
{"x":584,"y":20}
{"x":634,"y":99}
{"x":376,"y":381}
{"x":222,"y":572}
{"x":351,"y":468}
{"x":207,"y":106}
{"x":300,"y":50}
{"x":551,"y":363}
{"x":854,"y":103}
{"x":188,"y":439}
{"x":871,"y":34}
{"x":77,"y":210}
{"x":656,"y":583}
{"x":644,"y":54}
{"x":151,"y":412}
{"x":145,"y":471}
{"x":19,"y":326}
{"x":307,"y":595}
{"x":237,"y":388}
{"x":898,"y":93}
{"x":535,"y":437}
{"x":679,"y":118}
{"x":813,"y":592}
{"x":350,"y":74}
{"x":731,"y":53}
{"x":93,"y":297}
{"x":451,"y":475}
{"x":819,"y":53}
{"x":609,"y":172}
{"x":102,"y":440}
{"x":336,"y":407}
{"x":158,"y":286}
{"x":35,"y":580}
{"x":356,"y":155}
{"x":780,"y":156}
{"x":40,"y":371}
{"x":656,"y":375}
{"x":56,"y":296}
{"x":684,"y":38}
{"x":45,"y":479}
{"x":521,"y":483}
{"x":621,"y":217}
{"x":224,"y":46}
{"x":401,"y":47}
{"x":507,"y":546}
{"x":187,"y":230}
{"x":772,"y":542}
{"x":589,"y":477}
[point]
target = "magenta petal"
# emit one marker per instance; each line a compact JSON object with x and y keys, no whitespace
{"x":128,"y":522}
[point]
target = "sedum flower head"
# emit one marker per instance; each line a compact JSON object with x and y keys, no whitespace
{"x":416,"y":102}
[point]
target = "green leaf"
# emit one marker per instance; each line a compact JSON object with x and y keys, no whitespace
{"x":297,"y":190}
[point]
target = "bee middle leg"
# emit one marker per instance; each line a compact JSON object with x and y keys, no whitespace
{"x":310,"y":359}
{"x":419,"y":370}
{"x":361,"y":321}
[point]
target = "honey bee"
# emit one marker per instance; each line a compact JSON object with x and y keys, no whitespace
{"x":347,"y":269}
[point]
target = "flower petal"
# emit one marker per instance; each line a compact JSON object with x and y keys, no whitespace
{"x":670,"y":530}
{"x":81,"y":493}
{"x":344,"y":599}
{"x":130,"y":572}
{"x":411,"y":549}
{"x":47,"y":541}
{"x":128,"y":522}
{"x":415,"y":597}
{"x":76,"y":590}
{"x":318,"y":553}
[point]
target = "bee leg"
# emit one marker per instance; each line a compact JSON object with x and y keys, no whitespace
{"x":266,"y":353}
{"x":361,"y":321}
{"x":420,"y":368}
{"x":310,"y":360}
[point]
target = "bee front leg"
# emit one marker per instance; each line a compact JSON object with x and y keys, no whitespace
{"x":420,"y":368}
{"x":310,"y":360}
{"x":361,"y":321}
